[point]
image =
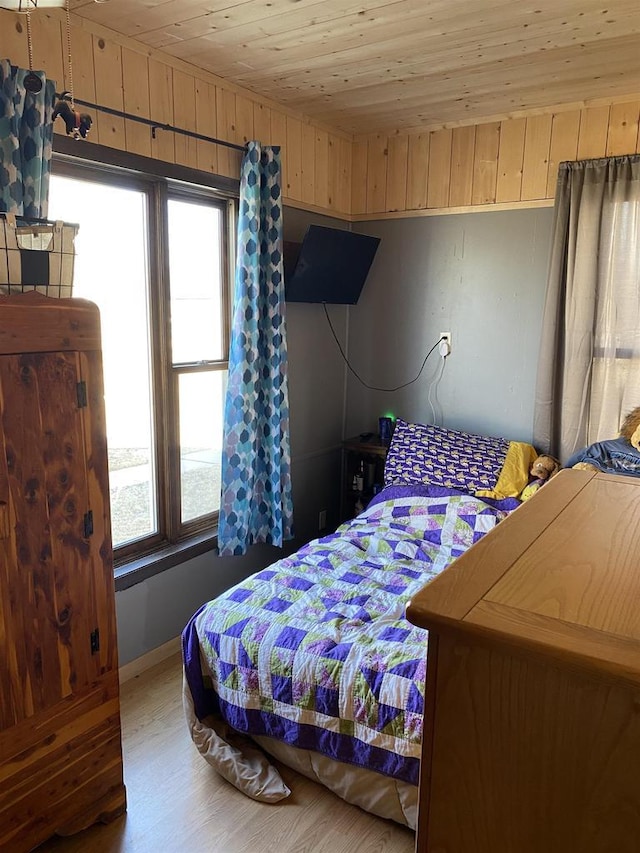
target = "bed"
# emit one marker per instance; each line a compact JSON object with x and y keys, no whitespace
{"x":312,"y":662}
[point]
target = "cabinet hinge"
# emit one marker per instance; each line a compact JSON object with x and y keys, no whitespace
{"x":88,"y":524}
{"x":95,"y":641}
{"x":81,"y":392}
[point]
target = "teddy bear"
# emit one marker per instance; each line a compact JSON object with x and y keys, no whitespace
{"x":542,"y":469}
{"x":631,"y":428}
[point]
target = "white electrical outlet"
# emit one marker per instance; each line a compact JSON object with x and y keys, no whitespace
{"x":322,"y":519}
{"x":444,"y":347}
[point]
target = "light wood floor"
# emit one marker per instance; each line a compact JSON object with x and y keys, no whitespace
{"x":178,"y":804}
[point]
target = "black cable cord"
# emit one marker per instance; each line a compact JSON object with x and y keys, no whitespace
{"x":359,"y":378}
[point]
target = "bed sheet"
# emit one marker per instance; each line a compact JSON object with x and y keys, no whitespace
{"x":315,"y":650}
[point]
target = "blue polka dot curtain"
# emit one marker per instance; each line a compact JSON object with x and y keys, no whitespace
{"x":26,"y":137}
{"x":256,"y":504}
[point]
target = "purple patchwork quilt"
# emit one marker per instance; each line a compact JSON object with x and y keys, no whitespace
{"x":316,"y":651}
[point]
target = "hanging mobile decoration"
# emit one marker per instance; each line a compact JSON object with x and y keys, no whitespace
{"x":32,"y":83}
{"x":77,"y":124}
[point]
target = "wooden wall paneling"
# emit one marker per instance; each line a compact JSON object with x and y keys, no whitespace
{"x":592,"y":140}
{"x":308,"y":163}
{"x":377,"y":156}
{"x":49,"y":47}
{"x":359,"y":172}
{"x":244,"y":120}
{"x":462,"y":150}
{"x":84,"y":75}
{"x":161,"y":109}
{"x":262,"y":124}
{"x":622,"y":136}
{"x":565,"y":128}
{"x":485,"y":163}
{"x":333,"y":164}
{"x":206,"y":152}
{"x":397,"y":167}
{"x":510,"y":160}
{"x":294,"y":159}
{"x":322,"y":168}
{"x":244,"y":129}
{"x":417,"y":171}
{"x":184,"y":116}
{"x":535,"y":169}
{"x":279,"y":130}
{"x":107,"y":62}
{"x":14,"y":42}
{"x":228,"y":164}
{"x":279,"y":137}
{"x":135,"y":78}
{"x":343,"y":199}
{"x":439,"y":178}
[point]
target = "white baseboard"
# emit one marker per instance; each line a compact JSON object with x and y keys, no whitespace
{"x":139,"y":665}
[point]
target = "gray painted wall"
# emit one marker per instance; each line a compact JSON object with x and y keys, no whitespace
{"x":481,"y":276}
{"x":155,"y":610}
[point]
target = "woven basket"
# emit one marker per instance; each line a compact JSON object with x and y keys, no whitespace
{"x":36,"y":254}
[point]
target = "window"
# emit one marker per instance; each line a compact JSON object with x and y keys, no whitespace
{"x":154,"y":256}
{"x":615,"y":383}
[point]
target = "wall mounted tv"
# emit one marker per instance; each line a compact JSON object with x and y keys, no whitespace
{"x":329,"y":265}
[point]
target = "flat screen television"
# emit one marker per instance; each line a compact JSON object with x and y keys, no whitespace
{"x":329,"y":265}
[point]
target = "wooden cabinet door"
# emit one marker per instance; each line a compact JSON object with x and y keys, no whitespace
{"x":100,"y":554}
{"x":48,"y":615}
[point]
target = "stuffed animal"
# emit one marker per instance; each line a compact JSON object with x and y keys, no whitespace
{"x":631,"y":428}
{"x":619,"y":455}
{"x":585,"y":466}
{"x":542,"y":469}
{"x":77,"y":124}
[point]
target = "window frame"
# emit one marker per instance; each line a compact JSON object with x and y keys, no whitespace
{"x":175,"y":541}
{"x":174,"y":369}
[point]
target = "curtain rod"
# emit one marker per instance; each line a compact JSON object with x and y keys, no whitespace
{"x":154,"y":125}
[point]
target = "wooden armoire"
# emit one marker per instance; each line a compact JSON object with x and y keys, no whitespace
{"x":60,"y":742}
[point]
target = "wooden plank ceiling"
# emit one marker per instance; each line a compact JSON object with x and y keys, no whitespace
{"x":382,"y":65}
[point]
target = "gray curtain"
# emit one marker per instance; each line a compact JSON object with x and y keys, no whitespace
{"x":589,"y":368}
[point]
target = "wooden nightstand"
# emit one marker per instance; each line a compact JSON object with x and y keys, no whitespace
{"x":532,"y":724}
{"x":366,"y":457}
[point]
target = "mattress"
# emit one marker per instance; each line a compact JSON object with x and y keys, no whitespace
{"x":315,"y":653}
